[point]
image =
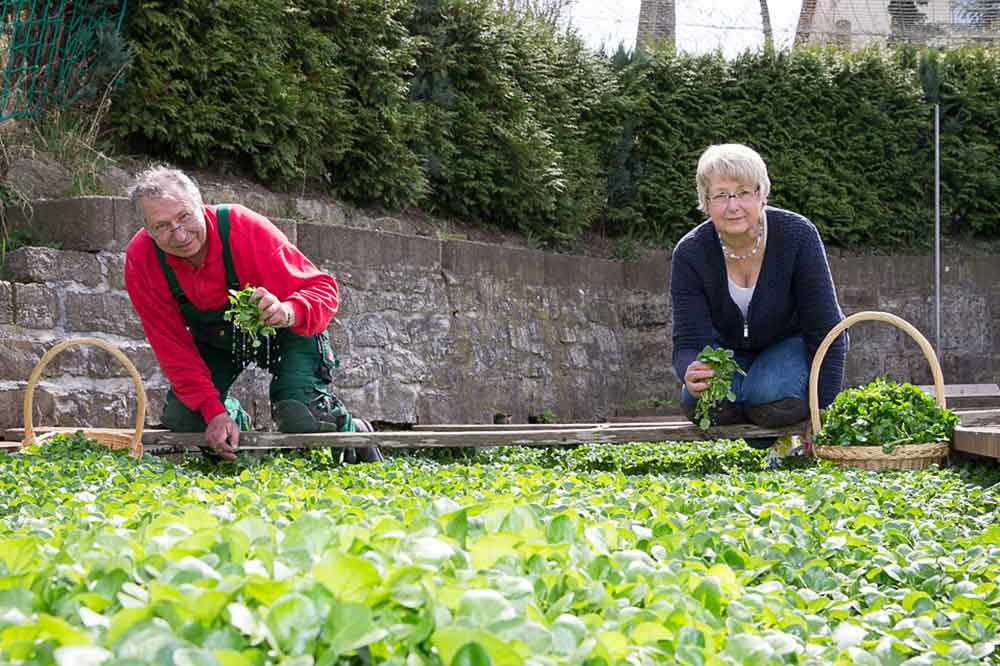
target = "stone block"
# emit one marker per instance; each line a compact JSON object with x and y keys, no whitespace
{"x":128,"y":221}
{"x":12,"y":407}
{"x":81,"y":223}
{"x":6,"y":303}
{"x":287,"y":227}
{"x":38,"y":177}
{"x":575,"y":272}
{"x":114,"y":269}
{"x":983,"y":272}
{"x":908,"y":274}
{"x":35,"y":306}
{"x":19,"y":358}
{"x":467,"y":258}
{"x":327,"y":244}
{"x":651,"y":274}
{"x":102,"y":311}
{"x":45,"y":265}
{"x":646,"y":314}
{"x":311,"y":210}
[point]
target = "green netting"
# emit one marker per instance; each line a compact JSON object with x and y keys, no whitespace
{"x":46,"y":49}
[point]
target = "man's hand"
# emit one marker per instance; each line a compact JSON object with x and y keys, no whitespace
{"x":223,"y":435}
{"x":274,"y":312}
{"x":695,"y":377}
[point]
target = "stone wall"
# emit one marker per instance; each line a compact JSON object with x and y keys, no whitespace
{"x":444,"y":331}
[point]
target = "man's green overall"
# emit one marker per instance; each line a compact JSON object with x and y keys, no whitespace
{"x":301,"y":367}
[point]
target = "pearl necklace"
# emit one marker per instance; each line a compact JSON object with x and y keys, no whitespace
{"x":757,"y":244}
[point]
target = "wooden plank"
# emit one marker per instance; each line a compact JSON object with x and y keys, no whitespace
{"x":462,"y":439}
{"x":964,"y":390}
{"x":474,"y":427}
{"x":983,"y":441}
{"x":974,"y":418}
{"x":662,"y":418}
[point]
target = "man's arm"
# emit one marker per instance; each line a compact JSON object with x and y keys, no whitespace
{"x":264,"y":257}
{"x":168,"y":336}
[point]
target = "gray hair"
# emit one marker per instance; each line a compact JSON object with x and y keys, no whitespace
{"x":734,"y":161}
{"x":163,"y":182}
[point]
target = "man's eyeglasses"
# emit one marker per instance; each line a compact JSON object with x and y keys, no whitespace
{"x":164,"y":230}
{"x":743,"y":196}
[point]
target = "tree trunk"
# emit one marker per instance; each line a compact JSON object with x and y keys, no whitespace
{"x":765,"y":17}
{"x":657,"y":23}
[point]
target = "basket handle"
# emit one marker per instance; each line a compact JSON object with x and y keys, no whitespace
{"x":898,"y":322}
{"x":135,"y":447}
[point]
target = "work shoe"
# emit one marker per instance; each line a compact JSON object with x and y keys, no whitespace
{"x":324,"y":414}
{"x":785,"y":447}
{"x":363,"y":454}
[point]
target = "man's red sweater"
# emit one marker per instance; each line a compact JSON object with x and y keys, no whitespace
{"x":262,"y":257}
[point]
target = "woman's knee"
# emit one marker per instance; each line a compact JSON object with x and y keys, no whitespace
{"x":778,"y":413}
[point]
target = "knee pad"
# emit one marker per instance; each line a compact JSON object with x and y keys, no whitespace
{"x":726,"y":413}
{"x":324,"y":414}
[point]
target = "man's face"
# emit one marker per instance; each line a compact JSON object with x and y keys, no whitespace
{"x":175,"y":225}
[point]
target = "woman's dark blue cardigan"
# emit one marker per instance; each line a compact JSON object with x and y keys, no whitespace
{"x":794,"y":296}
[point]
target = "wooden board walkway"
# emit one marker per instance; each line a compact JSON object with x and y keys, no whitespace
{"x":979,"y":433}
{"x":455,"y":436}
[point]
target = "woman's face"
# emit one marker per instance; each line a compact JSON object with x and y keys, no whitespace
{"x":735,"y":207}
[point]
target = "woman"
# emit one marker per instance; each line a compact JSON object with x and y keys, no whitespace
{"x":754,"y":279}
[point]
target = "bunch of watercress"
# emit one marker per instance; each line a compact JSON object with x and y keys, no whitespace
{"x":245,"y":316}
{"x":886,"y":414}
{"x":723,"y":365}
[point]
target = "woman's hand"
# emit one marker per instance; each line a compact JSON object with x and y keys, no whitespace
{"x":695,"y":377}
{"x":273,"y":312}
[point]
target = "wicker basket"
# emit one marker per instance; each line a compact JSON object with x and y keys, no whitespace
{"x":116,"y":440}
{"x":909,"y":456}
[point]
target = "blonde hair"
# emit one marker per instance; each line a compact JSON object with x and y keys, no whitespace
{"x":734,"y":161}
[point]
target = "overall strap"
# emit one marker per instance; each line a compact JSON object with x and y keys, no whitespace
{"x":222,"y":222}
{"x":168,"y":272}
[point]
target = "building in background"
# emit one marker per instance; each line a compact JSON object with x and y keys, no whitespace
{"x":859,"y":23}
{"x":657,"y":22}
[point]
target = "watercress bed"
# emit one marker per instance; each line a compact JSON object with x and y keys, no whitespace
{"x":517,"y":556}
{"x":887,"y":414}
{"x":722,"y":363}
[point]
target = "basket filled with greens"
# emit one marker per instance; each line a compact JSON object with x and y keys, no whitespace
{"x":884,"y":424}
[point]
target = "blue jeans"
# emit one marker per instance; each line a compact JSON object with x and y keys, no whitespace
{"x":781,"y":371}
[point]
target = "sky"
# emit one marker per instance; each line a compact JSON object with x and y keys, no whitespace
{"x":702,"y":25}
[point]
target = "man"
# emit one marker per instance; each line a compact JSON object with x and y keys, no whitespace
{"x":178,"y":270}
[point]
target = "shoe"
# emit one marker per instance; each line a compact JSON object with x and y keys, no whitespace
{"x":788,"y":446}
{"x":367,"y":454}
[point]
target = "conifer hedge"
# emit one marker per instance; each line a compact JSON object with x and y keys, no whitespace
{"x":453,"y":107}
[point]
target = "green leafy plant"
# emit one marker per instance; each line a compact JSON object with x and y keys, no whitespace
{"x":722,"y":363}
{"x":245,"y":316}
{"x":547,"y":416}
{"x":886,"y":414}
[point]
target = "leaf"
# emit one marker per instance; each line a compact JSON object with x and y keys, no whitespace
{"x":481,"y":608}
{"x":76,"y":655}
{"x":347,"y":627}
{"x":491,"y":547}
{"x":471,"y":654}
{"x":293,"y":621}
{"x":348,"y":577}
